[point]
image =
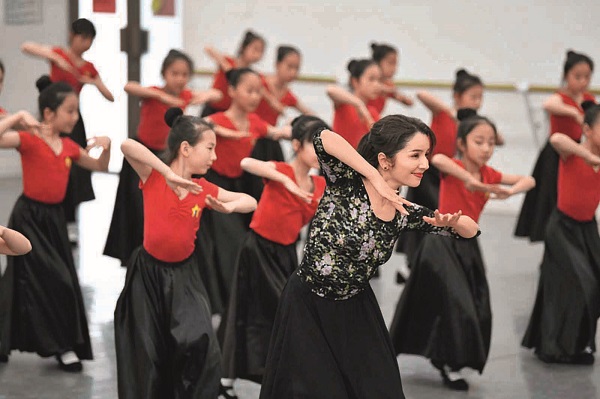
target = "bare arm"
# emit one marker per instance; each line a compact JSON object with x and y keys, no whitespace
{"x":218,"y":57}
{"x":518,"y":183}
{"x":206,"y":96}
{"x":279,"y":132}
{"x":13,"y":243}
{"x":103,"y":89}
{"x":448,"y":166}
{"x":19,"y":120}
{"x":135,"y":89}
{"x":341,"y":96}
{"x":44,"y":51}
{"x":100,"y":164}
{"x":303,"y":108}
{"x":555,"y":105}
{"x":403,"y":98}
{"x":231,"y":201}
{"x":434,"y":104}
{"x":566,"y":147}
{"x":268,"y":170}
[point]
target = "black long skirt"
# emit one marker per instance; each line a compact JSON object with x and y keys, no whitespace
{"x":164,"y":339}
{"x":126,"y":231}
{"x":326,"y":349}
{"x":44,"y":311}
{"x":79,"y":188}
{"x":540,"y":201}
{"x":567,"y":305}
{"x":426,"y":194}
{"x":262,"y":271}
{"x":444,"y":311}
{"x":218,"y":243}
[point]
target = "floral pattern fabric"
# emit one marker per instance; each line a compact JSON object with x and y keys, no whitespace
{"x":347,"y":241}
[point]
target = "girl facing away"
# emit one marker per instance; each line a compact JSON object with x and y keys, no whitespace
{"x":45,"y":313}
{"x":452,"y":326}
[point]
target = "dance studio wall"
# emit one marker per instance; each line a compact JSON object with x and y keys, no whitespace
{"x":19,"y":90}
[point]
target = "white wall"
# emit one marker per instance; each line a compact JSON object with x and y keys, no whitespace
{"x":22,"y":71}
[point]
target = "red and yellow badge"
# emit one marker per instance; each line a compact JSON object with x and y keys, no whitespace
{"x":196,"y":211}
{"x":68,"y":162}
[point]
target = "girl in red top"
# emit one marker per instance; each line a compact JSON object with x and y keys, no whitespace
{"x":237,"y":130}
{"x":353,"y":116}
{"x":566,"y":116}
{"x":48,"y":315}
{"x":276,"y":97}
{"x":165,"y":343}
{"x":467,"y":93}
{"x":67,"y":65}
{"x":125,"y":233}
{"x":268,"y":255}
{"x":250,"y":52}
{"x":562,"y":328}
{"x":386,"y":57}
{"x":452,"y":327}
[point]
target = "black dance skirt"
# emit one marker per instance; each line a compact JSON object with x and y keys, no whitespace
{"x":444,"y":311}
{"x":264,"y":150}
{"x":79,"y":188}
{"x":218,"y":243}
{"x":426,"y":194}
{"x":326,"y":349}
{"x":262,"y":271}
{"x":43,"y":311}
{"x":540,"y":201}
{"x":208,"y":110}
{"x":567,"y":305}
{"x":126,"y":231}
{"x":164,"y":339}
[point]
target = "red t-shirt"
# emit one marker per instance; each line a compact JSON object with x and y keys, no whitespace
{"x":264,"y":109}
{"x":2,"y":111}
{"x":578,"y":189}
{"x":280,"y":214}
{"x":445,"y":128}
{"x":379,"y":102}
{"x":45,"y":174}
{"x":153,"y":130}
{"x":220,"y":83}
{"x":59,"y":75}
{"x":455,"y":197}
{"x":230,"y":152}
{"x":566,"y":124}
{"x":348,"y":124}
{"x":170,"y":224}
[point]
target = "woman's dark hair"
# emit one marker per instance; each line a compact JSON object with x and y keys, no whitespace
{"x":573,"y":59}
{"x":183,"y":128}
{"x":249,"y":38}
{"x":304,"y":128}
{"x":2,"y":67}
{"x":380,"y":51}
{"x":389,"y":135}
{"x":52,"y":95}
{"x":469,"y":120}
{"x":176,"y":55}
{"x":284,"y":51}
{"x":83,"y":27}
{"x":234,"y":76}
{"x":464,"y":81}
{"x":592,"y":112}
{"x":358,"y":67}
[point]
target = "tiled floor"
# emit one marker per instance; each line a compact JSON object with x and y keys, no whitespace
{"x":512,"y":372}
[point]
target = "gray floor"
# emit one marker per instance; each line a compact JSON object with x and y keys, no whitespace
{"x":512,"y":372}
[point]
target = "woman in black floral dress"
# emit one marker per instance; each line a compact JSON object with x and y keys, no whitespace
{"x":329,"y":339}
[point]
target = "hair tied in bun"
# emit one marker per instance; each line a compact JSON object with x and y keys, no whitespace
{"x":465,"y":113}
{"x":172,"y":114}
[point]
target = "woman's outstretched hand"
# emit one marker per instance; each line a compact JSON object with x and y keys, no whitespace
{"x":443,"y":220}
{"x":390,"y":194}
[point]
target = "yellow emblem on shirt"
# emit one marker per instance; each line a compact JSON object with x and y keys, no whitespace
{"x":68,"y":162}
{"x":196,"y":211}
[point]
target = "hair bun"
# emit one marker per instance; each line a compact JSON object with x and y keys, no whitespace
{"x":461,"y":73}
{"x":465,"y":113}
{"x":43,"y":82}
{"x":172,"y":114}
{"x":374,"y":46}
{"x":571,"y":53}
{"x":351,"y":64}
{"x":587,"y":104}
